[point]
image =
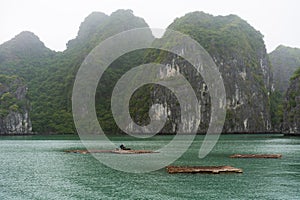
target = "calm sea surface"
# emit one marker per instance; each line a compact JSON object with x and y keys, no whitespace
{"x":36,"y":167}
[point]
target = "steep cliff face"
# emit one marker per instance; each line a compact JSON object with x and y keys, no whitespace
{"x":291,"y":114}
{"x":236,"y":47}
{"x":240,"y":54}
{"x":14,"y":106}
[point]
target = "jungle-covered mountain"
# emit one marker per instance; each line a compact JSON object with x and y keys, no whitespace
{"x":50,"y":75}
{"x":240,"y":55}
{"x":235,"y":46}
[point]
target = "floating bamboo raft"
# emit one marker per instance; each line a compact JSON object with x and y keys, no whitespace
{"x":111,"y":151}
{"x":203,"y":169}
{"x":256,"y":156}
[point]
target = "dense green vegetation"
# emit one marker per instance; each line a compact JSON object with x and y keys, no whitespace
{"x":296,"y":74}
{"x":50,"y":75}
{"x":294,"y":92}
{"x":237,"y":48}
{"x":8,"y":96}
{"x":285,"y":60}
{"x":227,"y":39}
{"x":291,"y":115}
{"x":140,"y":99}
{"x":26,"y":56}
{"x":276,"y":108}
{"x":228,"y":36}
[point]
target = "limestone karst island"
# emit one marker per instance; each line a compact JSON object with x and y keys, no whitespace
{"x":46,"y":152}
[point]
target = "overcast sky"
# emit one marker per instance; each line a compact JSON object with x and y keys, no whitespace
{"x":57,"y":21}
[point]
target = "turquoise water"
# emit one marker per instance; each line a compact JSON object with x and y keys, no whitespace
{"x":36,"y":167}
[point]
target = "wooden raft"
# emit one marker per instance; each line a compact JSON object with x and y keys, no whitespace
{"x":256,"y":156}
{"x":203,"y":169}
{"x":111,"y":151}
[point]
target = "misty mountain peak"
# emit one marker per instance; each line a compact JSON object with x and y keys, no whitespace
{"x":25,"y":44}
{"x":91,"y":24}
{"x":97,"y":26}
{"x":24,"y":41}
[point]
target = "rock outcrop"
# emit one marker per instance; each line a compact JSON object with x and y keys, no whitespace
{"x":240,"y":54}
{"x":25,"y":56}
{"x":14,"y":106}
{"x":236,"y":47}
